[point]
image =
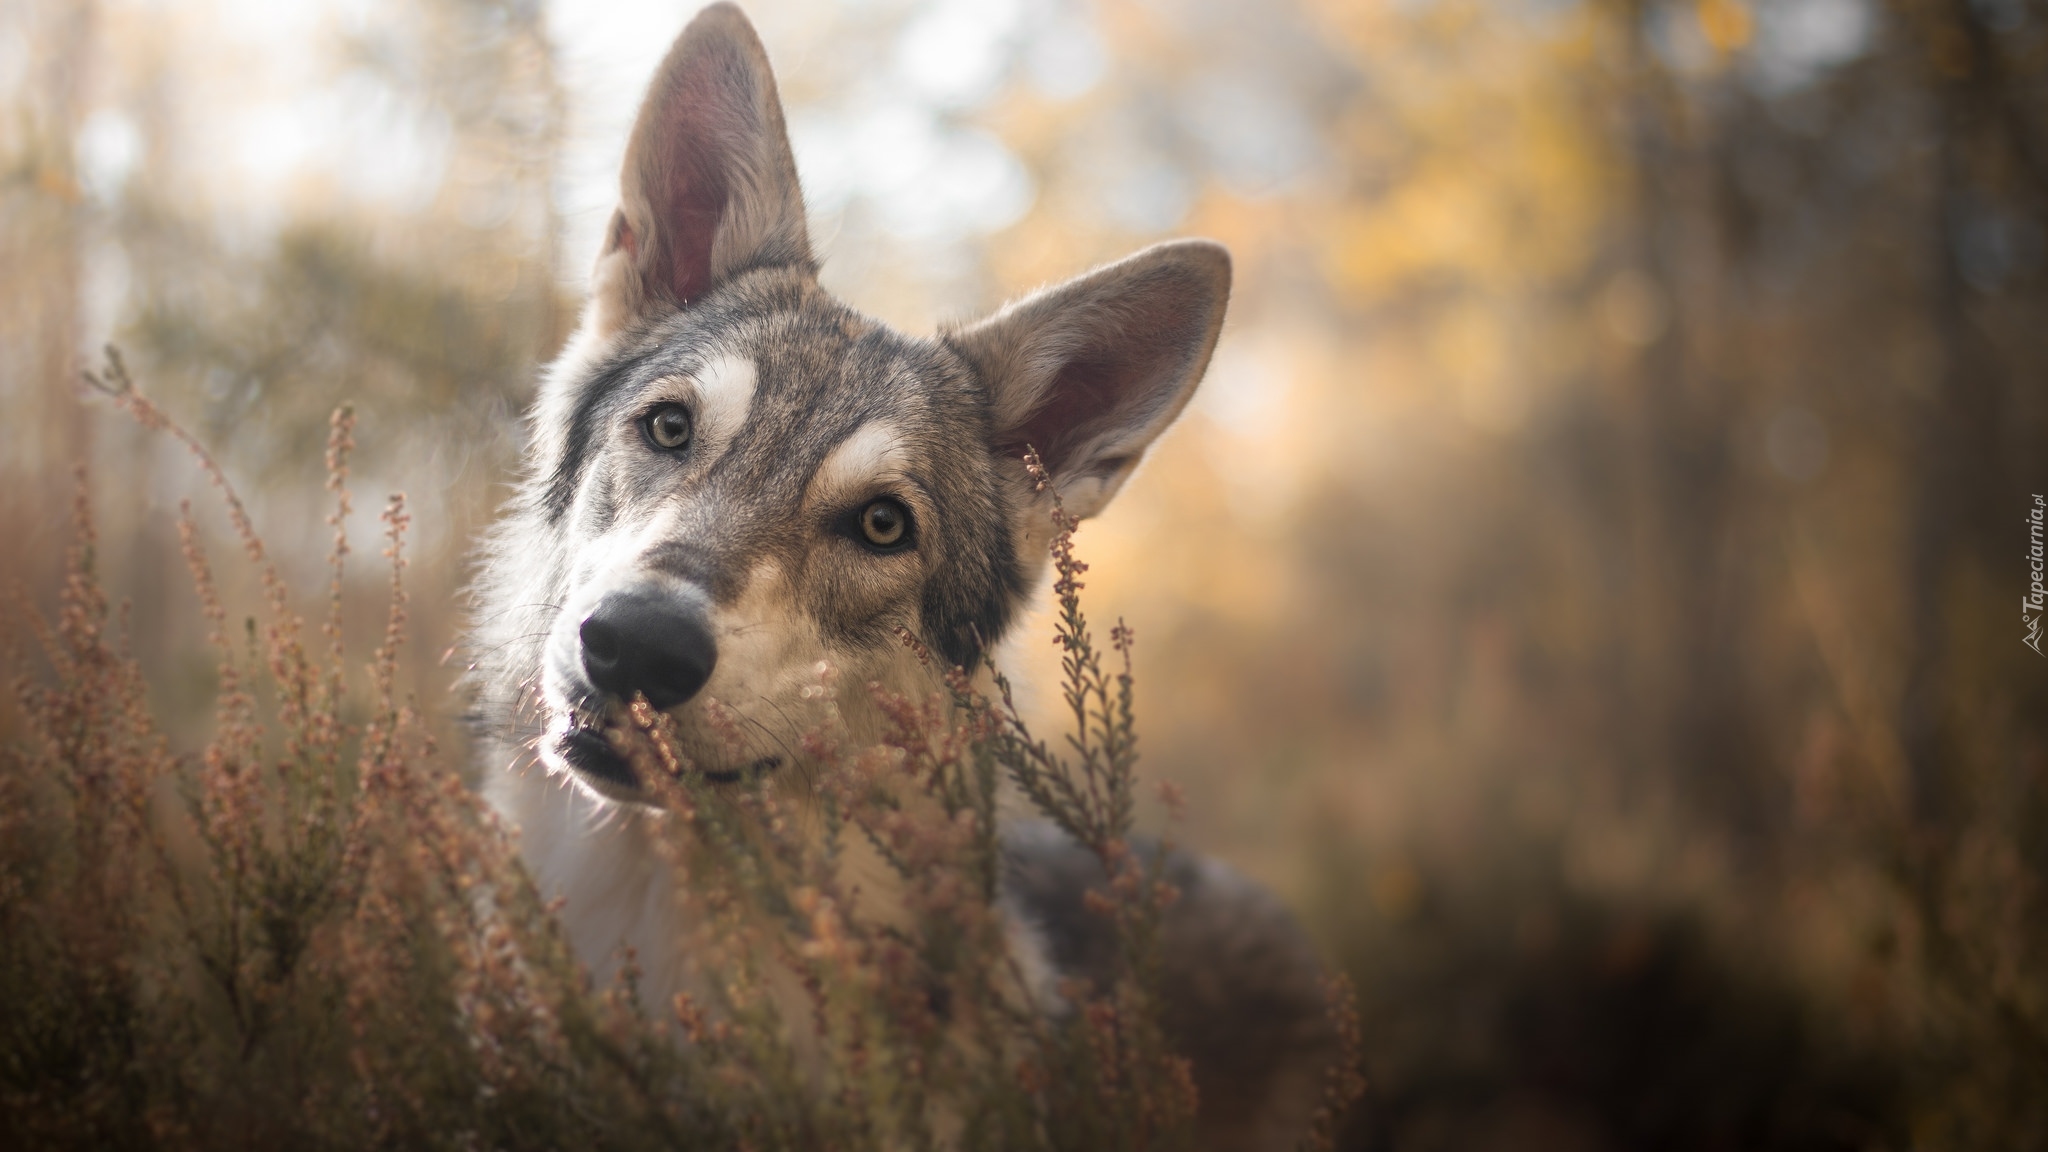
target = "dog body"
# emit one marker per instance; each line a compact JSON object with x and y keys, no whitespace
{"x":736,"y":482}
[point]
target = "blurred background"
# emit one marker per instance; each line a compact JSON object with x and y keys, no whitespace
{"x":1589,"y":584}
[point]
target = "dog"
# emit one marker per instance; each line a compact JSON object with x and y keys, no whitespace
{"x":732,"y":478}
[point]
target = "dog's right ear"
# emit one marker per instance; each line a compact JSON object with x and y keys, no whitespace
{"x":709,"y":186}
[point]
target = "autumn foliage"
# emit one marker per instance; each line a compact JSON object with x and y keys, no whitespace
{"x":314,"y":932}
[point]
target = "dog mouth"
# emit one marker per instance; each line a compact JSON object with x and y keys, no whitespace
{"x":588,"y":750}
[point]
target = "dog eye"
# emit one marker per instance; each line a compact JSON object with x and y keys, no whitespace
{"x":885,"y":522}
{"x":669,"y":427}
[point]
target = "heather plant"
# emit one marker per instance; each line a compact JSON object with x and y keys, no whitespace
{"x":311,"y":930}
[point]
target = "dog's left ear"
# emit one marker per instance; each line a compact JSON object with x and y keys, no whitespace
{"x":1092,"y":371}
{"x":709,"y":186}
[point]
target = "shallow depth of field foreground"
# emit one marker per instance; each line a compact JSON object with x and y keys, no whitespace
{"x":1598,"y":584}
{"x":326,"y":936}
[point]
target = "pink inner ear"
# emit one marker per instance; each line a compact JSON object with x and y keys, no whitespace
{"x":689,"y":187}
{"x":1116,"y":382}
{"x":1081,"y":398}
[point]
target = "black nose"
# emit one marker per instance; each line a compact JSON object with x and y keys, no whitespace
{"x":641,"y":641}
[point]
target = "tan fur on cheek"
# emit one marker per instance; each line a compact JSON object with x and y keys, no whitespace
{"x":896,"y":670}
{"x":768,"y":652}
{"x":869,"y":595}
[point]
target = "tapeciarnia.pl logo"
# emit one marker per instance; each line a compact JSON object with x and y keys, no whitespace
{"x":2032,"y":604}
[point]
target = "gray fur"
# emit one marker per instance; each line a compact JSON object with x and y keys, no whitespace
{"x":706,"y":295}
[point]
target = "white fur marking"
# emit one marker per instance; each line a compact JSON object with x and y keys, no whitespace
{"x":874,"y":452}
{"x":724,"y":391}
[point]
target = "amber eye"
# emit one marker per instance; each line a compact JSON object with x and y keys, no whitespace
{"x":669,"y":427}
{"x":885,"y":522}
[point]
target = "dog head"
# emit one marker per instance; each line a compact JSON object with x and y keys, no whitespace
{"x":735,"y":481}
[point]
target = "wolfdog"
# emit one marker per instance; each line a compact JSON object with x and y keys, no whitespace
{"x":732,"y":477}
